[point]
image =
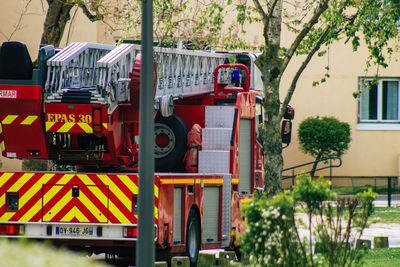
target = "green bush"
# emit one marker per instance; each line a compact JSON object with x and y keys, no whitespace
{"x":30,"y":254}
{"x":273,"y":238}
{"x":323,"y":137}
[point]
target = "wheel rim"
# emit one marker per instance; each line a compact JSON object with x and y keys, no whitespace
{"x":164,"y":140}
{"x":192,"y":241}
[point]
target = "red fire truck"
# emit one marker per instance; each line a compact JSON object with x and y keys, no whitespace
{"x":79,"y":106}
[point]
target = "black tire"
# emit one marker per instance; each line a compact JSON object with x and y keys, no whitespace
{"x":193,"y":237}
{"x":174,"y":130}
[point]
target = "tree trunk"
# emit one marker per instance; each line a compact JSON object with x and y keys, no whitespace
{"x":270,"y":65}
{"x":58,"y":14}
{"x":314,"y":167}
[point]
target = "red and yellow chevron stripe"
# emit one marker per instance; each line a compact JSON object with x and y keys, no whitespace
{"x":48,"y":197}
{"x":18,"y":119}
{"x":71,"y":127}
{"x":7,"y":121}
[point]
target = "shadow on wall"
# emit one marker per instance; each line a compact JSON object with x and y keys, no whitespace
{"x":10,"y":164}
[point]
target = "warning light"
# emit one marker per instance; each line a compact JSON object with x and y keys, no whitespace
{"x":12,"y":229}
{"x":130,"y":232}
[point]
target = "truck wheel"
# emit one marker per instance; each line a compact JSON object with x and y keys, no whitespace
{"x":170,"y":141}
{"x":193,"y":237}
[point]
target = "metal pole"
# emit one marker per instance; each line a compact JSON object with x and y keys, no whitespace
{"x":145,"y":255}
{"x":330,"y":171}
{"x":293,"y":178}
{"x":389,"y":191}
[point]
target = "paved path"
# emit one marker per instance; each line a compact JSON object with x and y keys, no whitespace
{"x":382,"y":201}
{"x":391,"y":230}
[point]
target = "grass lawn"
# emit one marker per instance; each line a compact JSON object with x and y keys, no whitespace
{"x":385,"y":215}
{"x":382,"y":257}
{"x":379,"y":257}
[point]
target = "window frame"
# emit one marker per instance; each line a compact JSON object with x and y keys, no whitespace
{"x":379,"y":114}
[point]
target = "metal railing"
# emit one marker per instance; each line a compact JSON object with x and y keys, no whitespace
{"x":331,"y":160}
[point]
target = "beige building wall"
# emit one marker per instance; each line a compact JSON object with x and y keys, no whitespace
{"x":28,"y":27}
{"x":371,"y":153}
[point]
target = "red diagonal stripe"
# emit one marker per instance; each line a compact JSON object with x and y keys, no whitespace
{"x":123,"y":187}
{"x":56,"y":126}
{"x":117,"y":202}
{"x":53,"y":201}
{"x":6,"y":186}
{"x":32,"y":201}
{"x":103,"y":207}
{"x":75,"y":202}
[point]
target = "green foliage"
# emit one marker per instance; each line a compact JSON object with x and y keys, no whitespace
{"x":195,"y":23}
{"x":273,"y":235}
{"x":323,"y":137}
{"x":382,"y":257}
{"x":270,"y":238}
{"x":35,"y":165}
{"x":313,"y":193}
{"x":20,"y":253}
{"x":44,"y":165}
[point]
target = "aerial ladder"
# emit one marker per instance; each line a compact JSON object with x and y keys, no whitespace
{"x":90,"y":100}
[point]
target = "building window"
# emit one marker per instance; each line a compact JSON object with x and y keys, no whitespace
{"x":379,"y":101}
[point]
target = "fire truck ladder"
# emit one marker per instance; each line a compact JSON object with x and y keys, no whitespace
{"x":180,"y":73}
{"x":73,"y":74}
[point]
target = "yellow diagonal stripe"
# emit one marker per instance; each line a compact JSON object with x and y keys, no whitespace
{"x":117,"y":213}
{"x":21,"y":181}
{"x":74,"y":212}
{"x":105,"y":125}
{"x":85,"y":179}
{"x":57,"y":207}
{"x":29,"y":120}
{"x":1,"y":129}
{"x":115,"y":189}
{"x":85,"y":127}
{"x":55,"y":189}
{"x":124,"y":199}
{"x":9,"y":119}
{"x":155,"y":212}
{"x":49,"y":124}
{"x":4,"y":177}
{"x":156,"y":191}
{"x":30,"y":193}
{"x":7,"y":216}
{"x":94,"y":189}
{"x":66,"y":127}
{"x":129,"y":183}
{"x":93,"y":209}
{"x":2,"y":146}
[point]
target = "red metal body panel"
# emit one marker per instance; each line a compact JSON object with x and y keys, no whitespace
{"x":20,"y":99}
{"x":21,"y":115}
{"x":74,"y":118}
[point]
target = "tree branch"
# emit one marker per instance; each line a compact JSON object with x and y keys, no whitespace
{"x":310,"y":55}
{"x":92,"y":17}
{"x":322,"y":6}
{"x":260,"y":9}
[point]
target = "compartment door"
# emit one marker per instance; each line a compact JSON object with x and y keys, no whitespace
{"x":75,"y":203}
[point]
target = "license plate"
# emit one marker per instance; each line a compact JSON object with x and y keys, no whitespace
{"x":73,"y":230}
